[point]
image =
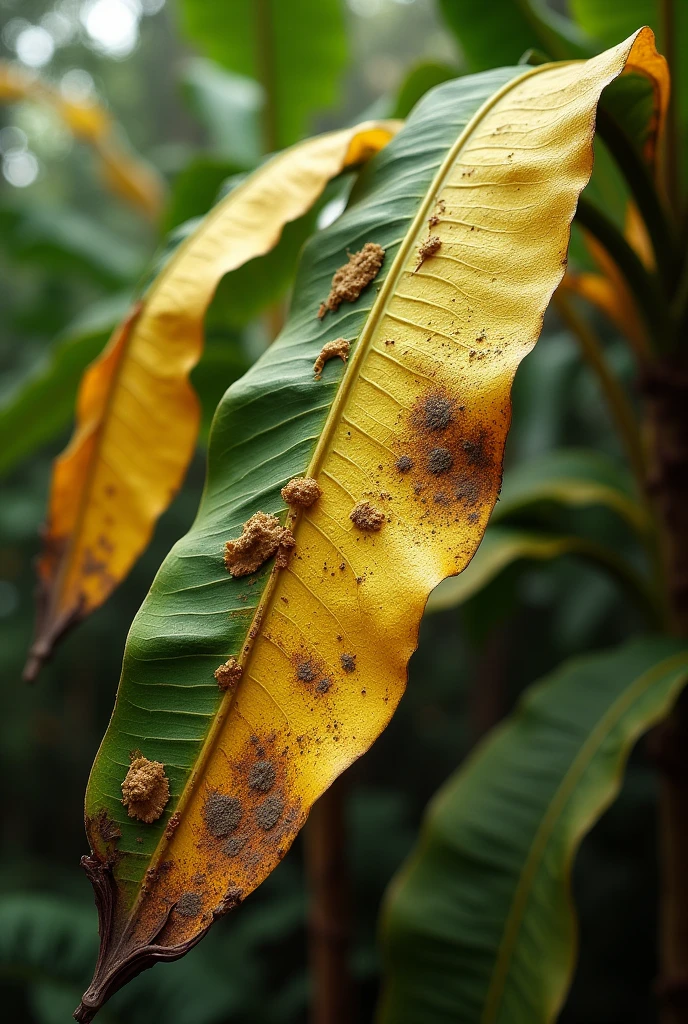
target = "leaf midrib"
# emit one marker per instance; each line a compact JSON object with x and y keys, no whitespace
{"x":323,"y":445}
{"x":555,"y":808}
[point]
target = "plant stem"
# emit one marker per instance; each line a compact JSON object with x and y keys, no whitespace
{"x":644,"y":284}
{"x":329,"y":921}
{"x":620,"y":408}
{"x":639,"y":180}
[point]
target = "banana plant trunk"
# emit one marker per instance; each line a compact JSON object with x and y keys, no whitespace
{"x":666,"y":394}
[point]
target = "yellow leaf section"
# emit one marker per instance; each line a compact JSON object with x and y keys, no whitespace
{"x":324,"y":664}
{"x":126,"y":174}
{"x":137,"y":414}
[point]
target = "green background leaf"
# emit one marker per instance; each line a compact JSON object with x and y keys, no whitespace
{"x":479,"y":926}
{"x":297,"y":51}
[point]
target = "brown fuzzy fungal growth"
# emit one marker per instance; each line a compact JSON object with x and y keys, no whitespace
{"x":404,"y":464}
{"x":303,"y":491}
{"x":366,"y":517}
{"x":262,"y":536}
{"x":437,"y":412}
{"x":428,"y":248}
{"x":440,"y":460}
{"x":189,"y":904}
{"x":339,"y":347}
{"x":145,"y":790}
{"x":222,"y":814}
{"x":348,"y":662}
{"x":229,"y":674}
{"x":350,"y":280}
{"x":306,"y":672}
{"x":269,"y":812}
{"x":262,"y":776}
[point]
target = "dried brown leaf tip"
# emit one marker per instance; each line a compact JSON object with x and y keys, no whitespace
{"x":262,"y":537}
{"x":145,"y":790}
{"x":340,"y":347}
{"x":229,"y":674}
{"x":350,"y":280}
{"x":366,"y":517}
{"x":429,"y":247}
{"x":303,"y":491}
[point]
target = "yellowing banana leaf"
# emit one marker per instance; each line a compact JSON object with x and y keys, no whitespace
{"x":137,"y":414}
{"x":482,"y":912}
{"x":125,"y":173}
{"x":466,"y":215}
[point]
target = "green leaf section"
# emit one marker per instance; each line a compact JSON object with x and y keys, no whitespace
{"x":500,"y":32}
{"x":572,"y":477}
{"x":503,"y":546}
{"x":419,"y":80}
{"x":264,"y":433}
{"x":296,"y":51}
{"x":49,"y":943}
{"x":230,"y":106}
{"x":608,"y":21}
{"x":479,"y":926}
{"x":69,"y":242}
{"x":41,"y":407}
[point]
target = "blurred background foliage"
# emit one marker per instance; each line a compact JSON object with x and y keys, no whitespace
{"x":189,"y":92}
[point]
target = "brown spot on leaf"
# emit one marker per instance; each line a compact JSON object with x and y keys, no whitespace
{"x":303,"y":491}
{"x":427,"y":249}
{"x":146,"y":789}
{"x":306,"y":671}
{"x":440,"y":460}
{"x":366,"y":517}
{"x":222,"y":814}
{"x":108,"y":829}
{"x":350,"y":280}
{"x":437,"y":412}
{"x":189,"y":904}
{"x":172,"y":825}
{"x":403,"y":464}
{"x":262,"y":776}
{"x":339,"y":347}
{"x":269,"y":812}
{"x":229,"y":674}
{"x":262,"y":536}
{"x":348,"y":662}
{"x":323,"y":686}
{"x":234,"y":846}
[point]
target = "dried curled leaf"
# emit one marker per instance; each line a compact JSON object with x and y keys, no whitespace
{"x":137,"y":414}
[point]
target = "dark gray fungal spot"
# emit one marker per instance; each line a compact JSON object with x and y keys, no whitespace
{"x":403,"y":464}
{"x":323,"y":686}
{"x":269,"y":812}
{"x":234,"y":846}
{"x":440,"y":461}
{"x":189,"y":904}
{"x":348,"y":662}
{"x":222,"y":814}
{"x":306,"y":672}
{"x":468,"y":491}
{"x":438,"y":412}
{"x":262,"y":776}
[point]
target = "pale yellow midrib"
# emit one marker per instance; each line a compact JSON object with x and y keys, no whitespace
{"x":267,"y":599}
